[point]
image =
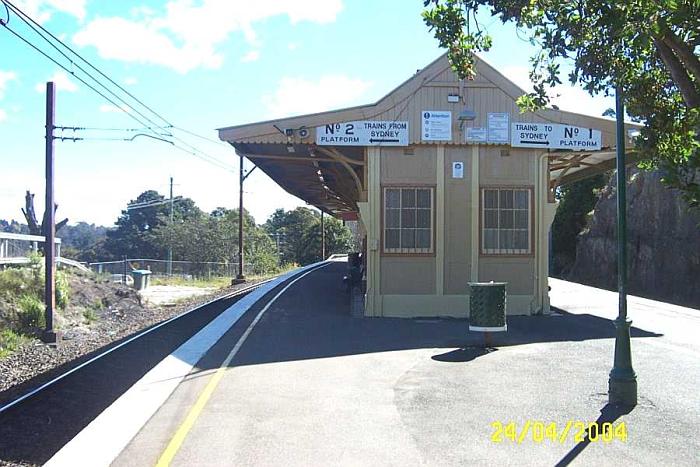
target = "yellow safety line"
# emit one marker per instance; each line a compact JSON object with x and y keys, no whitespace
{"x":176,"y":442}
{"x":181,"y":434}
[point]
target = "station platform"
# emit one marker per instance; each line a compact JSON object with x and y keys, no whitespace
{"x":311,"y":385}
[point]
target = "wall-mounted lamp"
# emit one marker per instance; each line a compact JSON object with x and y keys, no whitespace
{"x":466,"y":115}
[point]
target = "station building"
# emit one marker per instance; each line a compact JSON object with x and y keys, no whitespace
{"x":449,"y":181}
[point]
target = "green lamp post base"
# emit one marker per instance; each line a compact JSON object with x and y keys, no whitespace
{"x":622,"y":385}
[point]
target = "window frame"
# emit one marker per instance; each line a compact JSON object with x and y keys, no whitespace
{"x":413,"y":251}
{"x":503,"y":252}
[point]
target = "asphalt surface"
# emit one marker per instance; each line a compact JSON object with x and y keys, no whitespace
{"x":314,"y":386}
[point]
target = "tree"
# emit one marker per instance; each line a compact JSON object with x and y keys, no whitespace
{"x":289,"y":227}
{"x":214,"y":238}
{"x":134,"y":236}
{"x":299,"y":235}
{"x":33,"y":224}
{"x":338,"y":240}
{"x":646,"y":48}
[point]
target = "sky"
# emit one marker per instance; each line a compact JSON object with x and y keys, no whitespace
{"x":204,"y":65}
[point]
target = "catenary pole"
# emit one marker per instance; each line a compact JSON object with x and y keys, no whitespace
{"x":622,"y":385}
{"x":49,"y":335}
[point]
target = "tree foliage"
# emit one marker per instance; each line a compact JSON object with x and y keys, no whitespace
{"x":648,"y":49}
{"x":298,"y":234}
{"x":134,"y":235}
{"x":214,"y":238}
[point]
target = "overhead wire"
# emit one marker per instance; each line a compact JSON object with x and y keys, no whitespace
{"x":193,"y":150}
{"x":31,"y":23}
{"x":26,"y":18}
{"x":200,"y":136}
{"x":19,"y":36}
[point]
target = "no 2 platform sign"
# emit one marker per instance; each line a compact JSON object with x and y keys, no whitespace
{"x":363,"y":133}
{"x":554,"y":136}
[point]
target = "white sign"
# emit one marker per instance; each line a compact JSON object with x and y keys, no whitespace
{"x":477,"y":135}
{"x":458,"y":169}
{"x":498,"y":126}
{"x":363,"y":133}
{"x":554,"y":136}
{"x":437,"y":125}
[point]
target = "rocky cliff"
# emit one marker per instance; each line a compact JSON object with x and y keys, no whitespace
{"x":663,"y":243}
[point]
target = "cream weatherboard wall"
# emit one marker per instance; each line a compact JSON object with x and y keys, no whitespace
{"x":437,"y":284}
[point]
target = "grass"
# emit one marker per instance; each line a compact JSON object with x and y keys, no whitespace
{"x":216,"y":282}
{"x":9,"y":342}
{"x":90,"y":315}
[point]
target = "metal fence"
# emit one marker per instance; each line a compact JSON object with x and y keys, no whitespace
{"x":159,"y":267}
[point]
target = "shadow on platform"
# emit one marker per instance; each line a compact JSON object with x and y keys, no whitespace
{"x":312,"y":320}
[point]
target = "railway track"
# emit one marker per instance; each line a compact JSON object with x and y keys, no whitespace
{"x":37,"y":424}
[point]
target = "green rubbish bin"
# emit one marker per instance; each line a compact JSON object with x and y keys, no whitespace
{"x":141,"y":278}
{"x":487,"y":306}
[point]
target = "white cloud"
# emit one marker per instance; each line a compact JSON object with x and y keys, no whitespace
{"x":41,"y":10}
{"x":251,"y":56}
{"x":187,"y":35}
{"x":130,"y":81}
{"x":5,"y":78}
{"x":298,"y":96}
{"x":564,"y":96}
{"x":293,"y":46}
{"x":3,"y":115}
{"x":62,"y":82}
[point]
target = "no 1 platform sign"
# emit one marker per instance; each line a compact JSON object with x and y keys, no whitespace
{"x":554,"y":136}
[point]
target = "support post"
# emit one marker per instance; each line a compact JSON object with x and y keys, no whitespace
{"x":240,"y":278}
{"x":50,"y":336}
{"x":323,"y":239}
{"x":622,"y":385}
{"x":170,"y":240}
{"x":124,"y":271}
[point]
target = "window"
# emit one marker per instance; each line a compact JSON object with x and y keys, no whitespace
{"x":408,"y":220}
{"x":506,"y":224}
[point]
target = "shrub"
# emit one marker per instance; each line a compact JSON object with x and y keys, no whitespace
{"x":62,"y":290}
{"x":31,"y":312}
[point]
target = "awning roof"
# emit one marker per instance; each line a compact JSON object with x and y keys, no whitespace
{"x":332,"y":178}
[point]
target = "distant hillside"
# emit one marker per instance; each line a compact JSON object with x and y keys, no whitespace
{"x":663,"y":243}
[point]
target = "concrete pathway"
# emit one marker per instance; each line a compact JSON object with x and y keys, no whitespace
{"x":313,"y":386}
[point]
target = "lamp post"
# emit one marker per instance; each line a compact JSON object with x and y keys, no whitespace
{"x":622,"y":385}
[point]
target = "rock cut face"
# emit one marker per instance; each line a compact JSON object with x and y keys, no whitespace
{"x":663,"y":243}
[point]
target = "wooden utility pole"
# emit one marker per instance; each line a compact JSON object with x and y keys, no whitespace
{"x":170,"y":240}
{"x":49,"y":335}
